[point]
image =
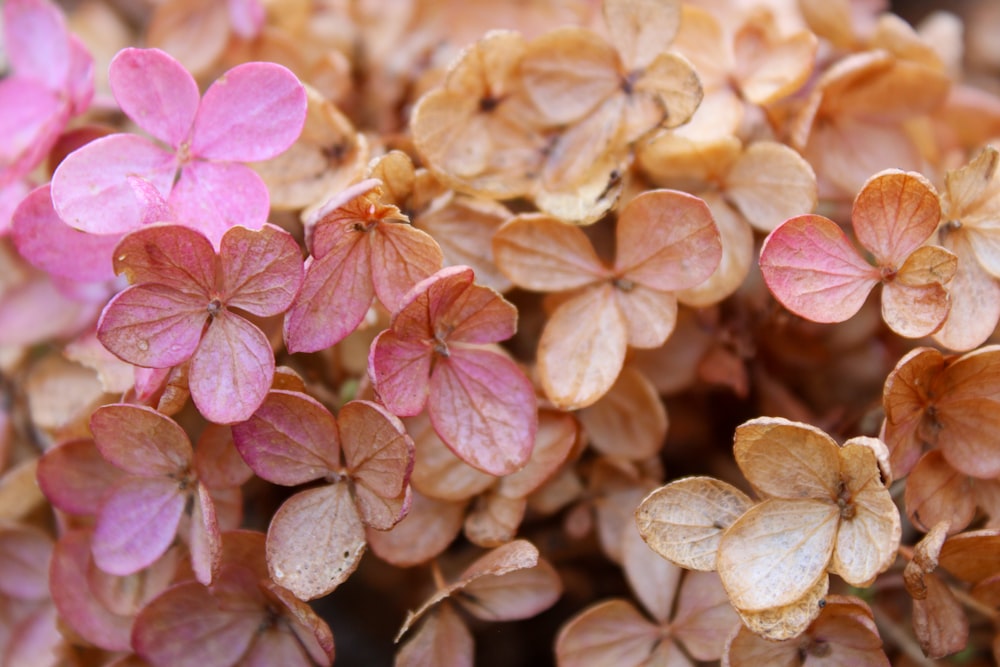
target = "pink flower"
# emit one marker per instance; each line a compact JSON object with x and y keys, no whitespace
{"x":179,"y":308}
{"x":252,"y":112}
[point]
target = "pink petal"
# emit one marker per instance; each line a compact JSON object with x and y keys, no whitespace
{"x":31,"y":118}
{"x":450,"y":306}
{"x":217,"y":462}
{"x":90,"y":188}
{"x":231,"y":370}
{"x":37,"y":310}
{"x":484,"y":408}
{"x":261,"y":271}
{"x":74,"y":476}
{"x":170,"y":256}
{"x":401,"y":256}
{"x":187,"y":626}
{"x":252,"y":112}
{"x":291,"y":439}
{"x":37,"y":42}
{"x":311,"y":631}
{"x":76,"y":603}
{"x":205,"y":541}
{"x":215,"y":196}
{"x":813,"y":270}
{"x":400,"y":369}
{"x":24,"y":562}
{"x":247,"y":17}
{"x":338,"y":282}
{"x":156,"y":92}
{"x":137,"y":523}
{"x":153,"y":326}
{"x":80,"y":80}
{"x":11,"y":195}
{"x":152,"y":203}
{"x":140,"y":440}
{"x":53,"y":246}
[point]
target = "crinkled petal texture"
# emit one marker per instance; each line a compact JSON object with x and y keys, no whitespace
{"x":231,"y":371}
{"x":813,"y":269}
{"x":156,"y":92}
{"x":168,"y":255}
{"x":894,"y":214}
{"x":544,"y":254}
{"x":90,"y":188}
{"x":786,"y":459}
{"x":261,"y":271}
{"x":777,"y":551}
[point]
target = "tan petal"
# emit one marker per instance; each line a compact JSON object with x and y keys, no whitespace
{"x":653,"y":579}
{"x":966,"y":413}
{"x":975,"y":297}
{"x":738,"y":255}
{"x":936,"y":492}
{"x":793,"y":619}
{"x":194,"y":32}
{"x":776,"y":552}
{"x":769,"y":71}
{"x":641,"y":29}
{"x":513,"y":595}
{"x":443,"y":639}
{"x":582,"y":348}
{"x":676,"y":160}
{"x":704,"y":619}
{"x":649,"y":315}
{"x":684,"y":520}
{"x":700,"y":39}
{"x":914,"y":312}
{"x":770,"y":183}
{"x":787,"y":459}
{"x":630,"y":421}
{"x":426,"y":531}
{"x":437,"y":472}
{"x":541,"y":253}
{"x":610,"y":632}
{"x":968,"y":186}
{"x":928,"y":264}
{"x":939,"y":620}
{"x":672,"y":84}
{"x":494,"y":519}
{"x":971,"y":556}
{"x":555,"y":439}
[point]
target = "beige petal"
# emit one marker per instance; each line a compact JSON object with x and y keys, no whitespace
{"x":787,"y":459}
{"x":193,"y":32}
{"x":770,"y":183}
{"x":541,"y":253}
{"x":968,"y":186}
{"x":693,"y":164}
{"x":426,"y":531}
{"x":582,"y":348}
{"x":700,"y":39}
{"x":555,"y":439}
{"x":776,"y":552}
{"x":494,"y":519}
{"x":770,"y":71}
{"x":684,"y":520}
{"x":928,"y":264}
{"x":791,"y":620}
{"x":703,"y":618}
{"x":914,"y":312}
{"x":673,"y":85}
{"x":443,"y":639}
{"x":975,"y":297}
{"x":653,"y":579}
{"x":437,"y":472}
{"x":641,"y":29}
{"x":939,"y":620}
{"x":630,"y":421}
{"x":738,"y":255}
{"x":936,"y":492}
{"x":609,"y":632}
{"x":650,"y":315}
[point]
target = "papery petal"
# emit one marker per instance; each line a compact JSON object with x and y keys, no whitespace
{"x":557,"y":435}
{"x":514,"y":595}
{"x":231,"y":370}
{"x":703,"y":615}
{"x":90,"y":188}
{"x":630,"y":421}
{"x":24,"y":562}
{"x":484,"y":408}
{"x":684,"y":520}
{"x":340,"y":282}
{"x":214,"y":632}
{"x":426,"y":531}
{"x":937,"y":493}
{"x":252,"y":112}
{"x":786,"y":459}
{"x":80,"y":81}
{"x":215,"y":196}
{"x":311,"y":632}
{"x":156,"y":92}
{"x":204,"y":541}
{"x":974,"y":296}
{"x":378,"y":453}
{"x":36,"y":42}
{"x":770,"y":183}
{"x":137,"y":523}
{"x":914,"y":311}
{"x":315,"y":541}
{"x":217,"y":462}
{"x":74,"y":476}
{"x":612,"y":632}
{"x":777,"y":551}
{"x":171,"y":256}
{"x":51,"y":245}
{"x":291,"y":439}
{"x":568,"y":72}
{"x":738,"y":255}
{"x":247,"y":17}
{"x":140,"y":440}
{"x":153,"y":326}
{"x":666,"y":95}
{"x":582,"y":348}
{"x":787,"y":621}
{"x":649,"y":315}
{"x":667,"y":240}
{"x":261,"y":271}
{"x":641,"y":29}
{"x":437,"y":472}
{"x":653,"y":579}
{"x":195,"y":32}
{"x":542,"y":253}
{"x":813,"y":270}
{"x":401,"y":256}
{"x":400,"y":370}
{"x":76,"y":603}
{"x":443,"y":639}
{"x":894,"y":214}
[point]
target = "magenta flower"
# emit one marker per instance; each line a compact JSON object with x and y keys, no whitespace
{"x":179,"y":308}
{"x":52,"y":79}
{"x":252,"y":112}
{"x":438,"y":353}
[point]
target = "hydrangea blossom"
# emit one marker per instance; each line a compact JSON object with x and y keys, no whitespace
{"x":252,"y":112}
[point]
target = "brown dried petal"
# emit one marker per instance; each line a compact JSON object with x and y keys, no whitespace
{"x":641,"y":29}
{"x":779,"y":623}
{"x":684,"y":520}
{"x":738,"y":255}
{"x":787,"y":459}
{"x":555,"y":439}
{"x":426,"y":530}
{"x":443,"y":639}
{"x":770,"y":183}
{"x":610,"y":632}
{"x":494,"y":520}
{"x":936,"y":492}
{"x":437,"y":472}
{"x":704,"y":618}
{"x":939,"y":621}
{"x":630,"y":421}
{"x":653,"y":579}
{"x":972,"y":556}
